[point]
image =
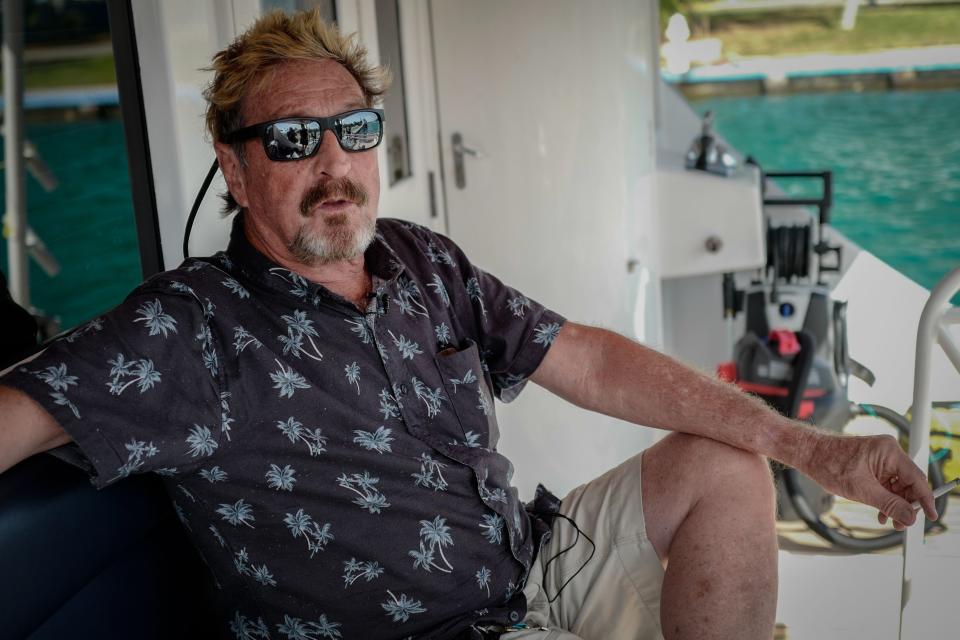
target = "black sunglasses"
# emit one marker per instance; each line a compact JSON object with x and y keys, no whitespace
{"x":298,"y":138}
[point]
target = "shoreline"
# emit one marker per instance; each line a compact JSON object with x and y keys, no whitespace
{"x":70,"y":103}
{"x":896,"y":69}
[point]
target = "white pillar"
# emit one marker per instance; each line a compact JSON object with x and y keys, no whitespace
{"x":849,"y":19}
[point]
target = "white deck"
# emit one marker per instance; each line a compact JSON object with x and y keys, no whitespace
{"x":828,"y":595}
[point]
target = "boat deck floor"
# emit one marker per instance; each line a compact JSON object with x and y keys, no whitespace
{"x":828,"y":594}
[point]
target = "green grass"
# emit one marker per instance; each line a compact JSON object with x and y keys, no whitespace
{"x":70,"y":73}
{"x":797,"y":31}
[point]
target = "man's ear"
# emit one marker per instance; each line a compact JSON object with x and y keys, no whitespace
{"x":232,"y":172}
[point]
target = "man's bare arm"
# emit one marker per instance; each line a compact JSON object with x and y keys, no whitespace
{"x":605,"y":372}
{"x":25,"y":428}
{"x":602,"y":371}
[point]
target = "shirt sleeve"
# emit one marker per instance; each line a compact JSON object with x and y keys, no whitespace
{"x":137,"y":389}
{"x":513,"y":331}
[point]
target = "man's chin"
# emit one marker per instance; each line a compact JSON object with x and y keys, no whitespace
{"x":334,"y":219}
{"x":336,"y":242}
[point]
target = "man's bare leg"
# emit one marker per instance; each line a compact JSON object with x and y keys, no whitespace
{"x":709,"y":510}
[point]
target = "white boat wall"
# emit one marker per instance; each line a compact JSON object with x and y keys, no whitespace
{"x":569,"y":197}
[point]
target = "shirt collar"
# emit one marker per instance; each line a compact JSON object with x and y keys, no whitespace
{"x":380,"y":260}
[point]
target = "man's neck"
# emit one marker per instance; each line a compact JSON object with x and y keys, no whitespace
{"x":346,"y":278}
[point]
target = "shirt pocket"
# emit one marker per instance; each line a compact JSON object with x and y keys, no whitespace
{"x":468,"y":387}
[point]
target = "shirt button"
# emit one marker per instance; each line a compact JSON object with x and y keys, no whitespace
{"x":403,"y":389}
{"x":514,"y":616}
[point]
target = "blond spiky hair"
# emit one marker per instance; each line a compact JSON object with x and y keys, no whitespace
{"x":275,"y":38}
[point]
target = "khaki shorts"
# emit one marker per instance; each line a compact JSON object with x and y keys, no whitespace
{"x":616,"y":595}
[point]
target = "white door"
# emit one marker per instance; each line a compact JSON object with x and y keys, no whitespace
{"x":556,"y":100}
{"x":398,"y":34}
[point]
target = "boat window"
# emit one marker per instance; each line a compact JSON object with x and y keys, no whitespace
{"x":327,"y":7}
{"x":81,"y":248}
{"x":394,"y":102}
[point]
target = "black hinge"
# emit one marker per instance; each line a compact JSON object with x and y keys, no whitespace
{"x":433,"y":194}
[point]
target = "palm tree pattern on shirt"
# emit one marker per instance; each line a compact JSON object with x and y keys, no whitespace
{"x":400,"y":609}
{"x":365,"y":486}
{"x":353,"y":570}
{"x":294,"y":430}
{"x":58,"y":379}
{"x":434,"y":536}
{"x":352,"y":372}
{"x":303,"y":524}
{"x":378,"y":440}
{"x":124,"y":373}
{"x":260,"y":573}
{"x":247,"y":629}
{"x":295,"y":629}
{"x":431,"y":473}
{"x":156,"y":321}
{"x":281,"y":479}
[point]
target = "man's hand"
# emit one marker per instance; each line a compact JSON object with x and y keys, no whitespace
{"x":873,"y":470}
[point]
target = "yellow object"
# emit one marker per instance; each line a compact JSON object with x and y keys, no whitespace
{"x":945,"y":437}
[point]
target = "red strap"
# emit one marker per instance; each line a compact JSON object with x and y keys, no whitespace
{"x":769,"y":390}
{"x":787,"y":343}
{"x":727,"y":371}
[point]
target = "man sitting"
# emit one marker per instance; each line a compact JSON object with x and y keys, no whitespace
{"x":319,"y":400}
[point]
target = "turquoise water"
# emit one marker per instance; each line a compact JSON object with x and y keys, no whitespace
{"x":895,"y":158}
{"x":87,"y":222}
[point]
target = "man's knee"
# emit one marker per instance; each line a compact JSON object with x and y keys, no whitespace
{"x":700,"y":467}
{"x":683,"y":474}
{"x":731,"y":463}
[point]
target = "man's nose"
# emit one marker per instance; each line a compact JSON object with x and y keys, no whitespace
{"x":331,"y":159}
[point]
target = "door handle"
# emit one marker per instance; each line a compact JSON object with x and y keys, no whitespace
{"x":459,"y":151}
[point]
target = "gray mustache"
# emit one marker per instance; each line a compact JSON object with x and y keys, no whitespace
{"x":339,"y":189}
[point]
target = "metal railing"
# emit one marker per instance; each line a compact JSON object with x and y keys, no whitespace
{"x":937,"y":316}
{"x":14,"y":171}
{"x":20,"y":156}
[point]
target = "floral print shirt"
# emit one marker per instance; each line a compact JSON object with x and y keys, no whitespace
{"x":336,"y":468}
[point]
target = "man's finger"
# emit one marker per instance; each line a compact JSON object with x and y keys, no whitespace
{"x":912,"y":485}
{"x":929,"y":510}
{"x":891,"y":505}
{"x":924,"y":495}
{"x":921,"y":492}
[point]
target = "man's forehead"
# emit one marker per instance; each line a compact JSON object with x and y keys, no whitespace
{"x":305,"y":87}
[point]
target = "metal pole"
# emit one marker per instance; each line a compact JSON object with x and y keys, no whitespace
{"x":14,"y":174}
{"x":912,"y":622}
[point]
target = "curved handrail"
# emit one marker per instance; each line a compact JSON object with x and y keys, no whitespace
{"x":937,"y":315}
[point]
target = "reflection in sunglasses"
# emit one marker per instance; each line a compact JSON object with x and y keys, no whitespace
{"x":294,"y":138}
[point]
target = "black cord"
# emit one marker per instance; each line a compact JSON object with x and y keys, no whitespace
{"x":788,"y":253}
{"x":560,"y":553}
{"x":196,"y":207}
